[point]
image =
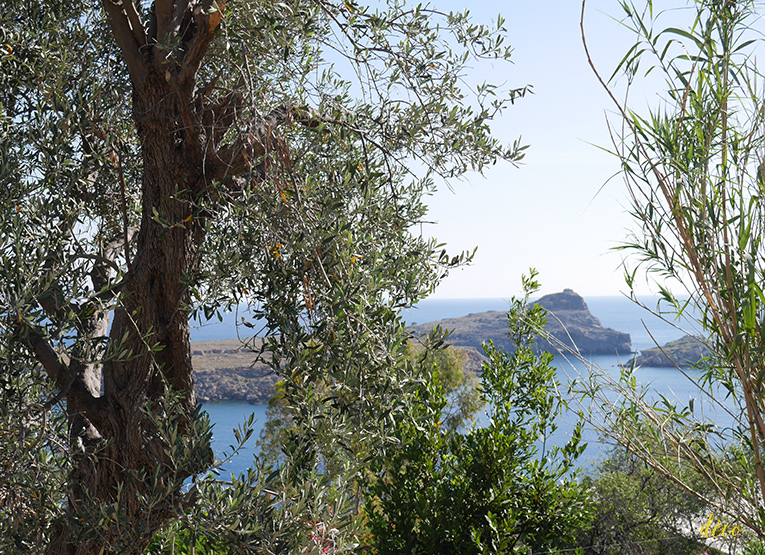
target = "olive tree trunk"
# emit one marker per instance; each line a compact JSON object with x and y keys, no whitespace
{"x":125,"y":484}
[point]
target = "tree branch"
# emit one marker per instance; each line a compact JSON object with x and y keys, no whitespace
{"x":260,"y":138}
{"x":237,"y":184}
{"x":65,"y":378}
{"x":52,"y":302}
{"x":207,"y":16}
{"x":105,"y":263}
{"x":218,"y":116}
{"x":164,"y":11}
{"x":52,"y":299}
{"x":123,"y":211}
{"x":47,"y":357}
{"x":179,"y":15}
{"x":129,"y":43}
{"x":135,"y":22}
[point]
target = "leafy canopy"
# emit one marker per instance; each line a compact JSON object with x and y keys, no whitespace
{"x":693,"y":168}
{"x":164,"y":161}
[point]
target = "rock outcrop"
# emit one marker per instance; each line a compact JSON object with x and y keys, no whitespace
{"x":569,"y":321}
{"x":685,"y":352}
{"x":224,"y":371}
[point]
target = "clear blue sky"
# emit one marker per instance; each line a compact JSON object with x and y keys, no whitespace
{"x":556,"y":212}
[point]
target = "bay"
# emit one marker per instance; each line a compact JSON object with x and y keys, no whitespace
{"x":227,"y":416}
{"x":618,"y":313}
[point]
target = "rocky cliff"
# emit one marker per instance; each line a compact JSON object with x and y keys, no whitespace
{"x":569,"y":320}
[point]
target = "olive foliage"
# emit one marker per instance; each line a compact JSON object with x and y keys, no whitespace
{"x":164,"y":161}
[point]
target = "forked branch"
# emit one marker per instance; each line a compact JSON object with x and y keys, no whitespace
{"x":128,"y":30}
{"x":65,"y":376}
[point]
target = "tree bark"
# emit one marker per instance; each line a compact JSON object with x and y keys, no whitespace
{"x":112,"y":461}
{"x":117,"y":450}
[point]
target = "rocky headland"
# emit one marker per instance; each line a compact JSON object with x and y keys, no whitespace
{"x":685,"y":352}
{"x":569,"y":321}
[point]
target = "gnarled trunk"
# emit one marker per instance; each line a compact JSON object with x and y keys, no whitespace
{"x":117,"y":456}
{"x":120,"y":458}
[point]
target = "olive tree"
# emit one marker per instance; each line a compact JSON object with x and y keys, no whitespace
{"x":693,"y":165}
{"x":171,"y":159}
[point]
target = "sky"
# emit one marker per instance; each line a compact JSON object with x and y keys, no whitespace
{"x":565,"y":208}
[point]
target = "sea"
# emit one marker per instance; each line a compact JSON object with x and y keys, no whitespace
{"x":641,"y":320}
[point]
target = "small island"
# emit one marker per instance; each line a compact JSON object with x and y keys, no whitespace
{"x":686,"y":352}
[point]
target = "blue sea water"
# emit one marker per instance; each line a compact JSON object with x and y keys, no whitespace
{"x":619,"y":313}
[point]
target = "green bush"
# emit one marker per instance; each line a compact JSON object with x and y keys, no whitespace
{"x":638,"y":511}
{"x":498,"y":489}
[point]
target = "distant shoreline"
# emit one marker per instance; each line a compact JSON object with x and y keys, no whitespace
{"x":225,"y":372}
